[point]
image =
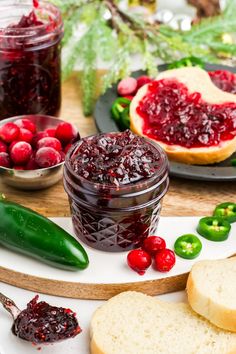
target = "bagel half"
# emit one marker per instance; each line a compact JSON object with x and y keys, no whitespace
{"x":196,"y":80}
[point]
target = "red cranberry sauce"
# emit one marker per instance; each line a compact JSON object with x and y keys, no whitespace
{"x":115,"y":159}
{"x":115,"y":183}
{"x":224,"y":79}
{"x":27,"y":21}
{"x":174,"y":116}
{"x":30,"y":67}
{"x":42,"y":323}
{"x":36,"y":3}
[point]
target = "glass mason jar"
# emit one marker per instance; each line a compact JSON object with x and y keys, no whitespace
{"x":115,"y":219}
{"x":30,"y":58}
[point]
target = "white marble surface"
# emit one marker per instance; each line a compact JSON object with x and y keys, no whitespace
{"x":118,"y":272}
{"x":9,"y":344}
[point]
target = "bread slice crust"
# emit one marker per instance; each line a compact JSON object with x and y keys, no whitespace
{"x":220,"y":314}
{"x":203,"y":84}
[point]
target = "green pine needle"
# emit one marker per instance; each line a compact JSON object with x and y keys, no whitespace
{"x":113,"y":36}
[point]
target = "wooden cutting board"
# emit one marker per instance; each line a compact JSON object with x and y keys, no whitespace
{"x":108,"y":273}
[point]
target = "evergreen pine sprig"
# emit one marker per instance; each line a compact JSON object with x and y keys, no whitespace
{"x":113,"y":36}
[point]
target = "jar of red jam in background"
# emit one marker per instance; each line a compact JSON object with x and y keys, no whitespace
{"x":30,"y":58}
{"x":115,"y":183}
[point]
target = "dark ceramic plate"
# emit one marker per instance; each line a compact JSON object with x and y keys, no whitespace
{"x":219,"y":172}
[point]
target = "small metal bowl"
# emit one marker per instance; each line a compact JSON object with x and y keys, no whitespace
{"x":33,"y":179}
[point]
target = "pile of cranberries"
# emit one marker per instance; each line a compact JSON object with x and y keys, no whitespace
{"x":22,"y":147}
{"x":153,"y":247}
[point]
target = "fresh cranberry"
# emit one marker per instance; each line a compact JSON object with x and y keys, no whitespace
{"x":38,"y":136}
{"x":12,"y":144}
{"x":115,"y":159}
{"x":47,"y":157}
{"x":164,"y":260}
{"x":127,"y":86}
{"x":3,"y":146}
{"x":20,"y":153}
{"x":19,"y":168}
{"x":51,"y":132}
{"x":65,"y":132}
{"x":25,"y":135}
{"x":174,"y":116}
{"x":26,"y":124}
{"x":49,"y":142}
{"x":43,"y":323}
{"x":143,"y":80}
{"x":153,"y":244}
{"x":5,"y":160}
{"x":139,"y":261}
{"x":129,"y":97}
{"x":67,"y":148}
{"x":9,"y":132}
{"x":31,"y":164}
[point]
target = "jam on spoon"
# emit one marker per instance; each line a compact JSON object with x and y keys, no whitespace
{"x":40,"y":322}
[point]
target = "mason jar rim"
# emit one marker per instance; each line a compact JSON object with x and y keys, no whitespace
{"x":142,"y":184}
{"x":33,"y":34}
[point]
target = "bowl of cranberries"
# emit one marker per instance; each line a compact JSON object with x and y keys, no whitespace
{"x":32,"y":150}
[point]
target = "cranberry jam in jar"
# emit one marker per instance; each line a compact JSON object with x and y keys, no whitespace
{"x":30,"y":58}
{"x":115,"y":183}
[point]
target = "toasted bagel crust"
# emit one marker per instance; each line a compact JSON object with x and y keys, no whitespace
{"x":203,"y":84}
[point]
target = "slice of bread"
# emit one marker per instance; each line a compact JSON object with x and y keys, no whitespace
{"x":211,"y":290}
{"x":134,"y":323}
{"x":197,"y":80}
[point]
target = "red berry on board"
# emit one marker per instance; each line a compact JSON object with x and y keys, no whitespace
{"x":143,"y":80}
{"x":26,"y":124}
{"x":129,"y":97}
{"x":153,"y":244}
{"x":139,"y":261}
{"x":9,"y":132}
{"x":51,"y":132}
{"x":164,"y":260}
{"x":49,"y":142}
{"x":127,"y":86}
{"x":25,"y":135}
{"x":3,"y":147}
{"x":5,"y":160}
{"x":20,"y":153}
{"x":38,"y":136}
{"x":47,"y":157}
{"x":65,"y":132}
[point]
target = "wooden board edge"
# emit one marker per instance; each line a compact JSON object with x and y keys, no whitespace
{"x":88,"y":291}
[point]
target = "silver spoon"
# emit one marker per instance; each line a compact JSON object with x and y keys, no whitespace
{"x":10,"y":306}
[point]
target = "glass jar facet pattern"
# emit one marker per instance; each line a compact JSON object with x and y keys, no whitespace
{"x":115,"y":219}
